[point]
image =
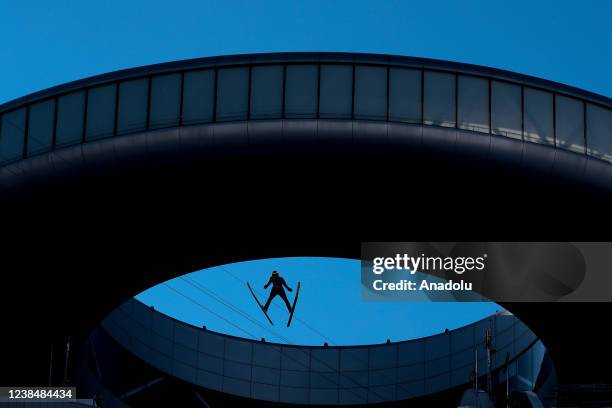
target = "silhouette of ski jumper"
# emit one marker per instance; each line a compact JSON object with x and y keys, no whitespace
{"x":277,"y":283}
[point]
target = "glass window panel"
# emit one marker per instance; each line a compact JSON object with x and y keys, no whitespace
{"x":209,"y":363}
{"x":437,"y":383}
{"x":12,"y":135}
{"x":437,"y":366}
{"x":186,"y":335}
{"x":404,"y":95}
{"x":237,"y":387}
{"x":165,"y":101}
{"x":133,"y":107}
{"x":383,"y":357}
{"x":463,"y":358}
{"x":524,"y":369}
{"x":211,"y":344}
{"x":162,"y":326}
{"x":185,"y":354}
{"x":382,"y":377}
{"x":237,"y":350}
{"x":265,"y":392}
{"x":294,"y":395}
{"x":411,"y":372}
{"x":411,"y":352}
{"x":142,"y":313}
{"x":354,"y":358}
{"x":357,"y":378}
{"x":184,"y":371}
{"x":410,"y":389}
{"x":320,"y":396}
{"x":232,"y":94}
{"x":539,"y":116}
{"x":370,"y":93}
{"x":506,"y":109}
{"x":439,"y":99}
{"x":161,"y":344}
{"x":266,"y":355}
{"x":324,"y":379}
{"x":209,"y":380}
{"x":70,"y":117}
{"x":336,"y":98}
{"x":238,"y":371}
{"x":40,"y":132}
{"x":462,"y":339}
{"x":437,"y":346}
{"x":504,"y":323}
{"x":161,"y":361}
{"x":198,"y":97}
{"x":569,"y":124}
{"x":267,"y":92}
{"x":324,"y":359}
{"x":473,"y":103}
{"x":100,"y":112}
{"x":301,"y":91}
{"x":295,"y":358}
{"x":266,"y":375}
{"x":599,"y":132}
{"x":295,"y":378}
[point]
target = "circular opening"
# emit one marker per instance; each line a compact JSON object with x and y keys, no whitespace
{"x":329,"y":308}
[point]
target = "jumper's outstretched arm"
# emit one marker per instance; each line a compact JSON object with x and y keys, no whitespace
{"x":285,"y":285}
{"x":268,"y":284}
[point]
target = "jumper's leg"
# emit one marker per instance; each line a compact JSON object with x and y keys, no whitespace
{"x":267,"y":305}
{"x":284,"y":296}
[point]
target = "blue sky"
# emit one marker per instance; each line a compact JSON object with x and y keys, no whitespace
{"x":46,"y":43}
{"x":329,"y":307}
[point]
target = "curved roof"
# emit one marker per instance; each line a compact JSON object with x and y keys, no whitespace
{"x":312,"y":57}
{"x":316,"y":375}
{"x":280,"y":86}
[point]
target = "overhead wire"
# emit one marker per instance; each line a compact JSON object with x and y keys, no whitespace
{"x":228,"y":304}
{"x":324,"y":363}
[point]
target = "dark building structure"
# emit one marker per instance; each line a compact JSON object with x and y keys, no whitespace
{"x":114,"y":183}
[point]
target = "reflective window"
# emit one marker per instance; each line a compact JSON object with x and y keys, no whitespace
{"x":185,"y":335}
{"x":570,"y":124}
{"x":404,"y":95}
{"x":473,"y":103}
{"x":439,"y":99}
{"x":12,"y":135}
{"x":539,"y":116}
{"x":165,"y":101}
{"x":232,"y":94}
{"x":295,"y":359}
{"x":237,"y":350}
{"x":133,"y":107}
{"x":100,"y":112}
{"x":40,"y":132}
{"x":506,"y":109}
{"x":301,"y":91}
{"x":198,"y":97}
{"x":599,"y":132}
{"x":336,"y":98}
{"x":267,"y":92}
{"x":383,"y":357}
{"x":370,"y":93}
{"x":324,"y":359}
{"x":70,"y":117}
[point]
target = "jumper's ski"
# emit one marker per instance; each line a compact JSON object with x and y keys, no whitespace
{"x":297,"y":293}
{"x":259,"y":304}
